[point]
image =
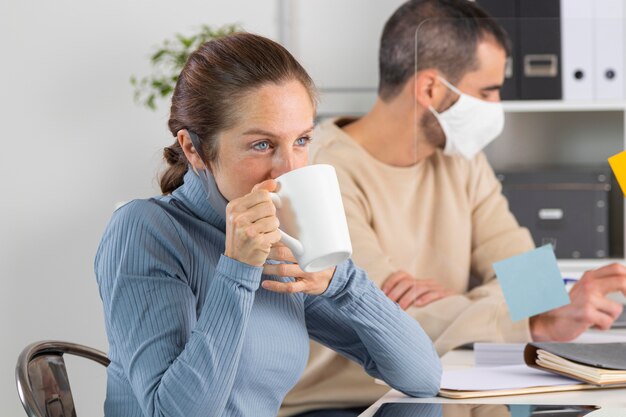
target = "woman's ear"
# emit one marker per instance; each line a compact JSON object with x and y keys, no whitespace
{"x":189,"y":150}
{"x":427,"y":88}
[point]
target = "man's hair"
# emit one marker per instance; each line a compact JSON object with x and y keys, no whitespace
{"x":439,"y":34}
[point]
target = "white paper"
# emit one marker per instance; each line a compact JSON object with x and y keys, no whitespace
{"x":499,"y":354}
{"x":599,"y":336}
{"x":502,"y":354}
{"x":500,"y":377}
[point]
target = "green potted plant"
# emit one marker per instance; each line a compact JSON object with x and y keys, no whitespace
{"x":167,"y":62}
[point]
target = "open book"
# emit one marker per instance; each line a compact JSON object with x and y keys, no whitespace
{"x":601,"y":364}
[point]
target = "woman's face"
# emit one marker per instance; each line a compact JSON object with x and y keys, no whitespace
{"x":271,"y":137}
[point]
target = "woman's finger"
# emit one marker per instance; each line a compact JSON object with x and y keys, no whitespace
{"x":267,"y":185}
{"x":267,"y":225}
{"x":284,"y":287}
{"x":271,"y":239}
{"x":255,"y":197}
{"x":283,"y":270}
{"x":281,"y":253}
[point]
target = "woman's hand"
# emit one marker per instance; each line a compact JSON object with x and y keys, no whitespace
{"x":252,"y":225}
{"x":313,"y":283}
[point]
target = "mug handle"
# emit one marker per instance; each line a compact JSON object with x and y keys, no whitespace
{"x":291,"y":242}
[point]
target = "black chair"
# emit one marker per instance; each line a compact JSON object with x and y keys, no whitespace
{"x":41,"y":377}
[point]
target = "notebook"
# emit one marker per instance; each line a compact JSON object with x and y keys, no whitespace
{"x":602,"y":364}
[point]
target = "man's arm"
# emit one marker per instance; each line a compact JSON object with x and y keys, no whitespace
{"x":453,"y":319}
{"x":495,"y":237}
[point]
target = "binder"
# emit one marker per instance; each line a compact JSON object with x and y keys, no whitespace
{"x":505,"y":13}
{"x":609,"y":49}
{"x":540,"y":49}
{"x":602,"y":364}
{"x":577,"y":46}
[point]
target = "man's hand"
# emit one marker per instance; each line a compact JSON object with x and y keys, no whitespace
{"x":313,"y":283}
{"x":408,"y":291}
{"x":589,"y":306}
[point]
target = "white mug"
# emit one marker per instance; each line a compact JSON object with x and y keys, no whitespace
{"x":312,"y":218}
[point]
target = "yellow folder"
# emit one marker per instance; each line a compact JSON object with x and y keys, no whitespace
{"x":618,"y":165}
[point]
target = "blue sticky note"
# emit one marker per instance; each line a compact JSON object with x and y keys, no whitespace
{"x":521,"y":410}
{"x":531,"y":283}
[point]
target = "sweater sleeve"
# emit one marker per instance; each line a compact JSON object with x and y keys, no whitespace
{"x":481,"y":314}
{"x":367,"y":251}
{"x":356,"y":319}
{"x":179,"y":361}
{"x":496,"y":235}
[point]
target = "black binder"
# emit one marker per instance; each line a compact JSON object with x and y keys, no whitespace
{"x":505,"y":13}
{"x":540,"y":49}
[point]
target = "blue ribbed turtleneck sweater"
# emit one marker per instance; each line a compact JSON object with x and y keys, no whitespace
{"x":192,"y":333}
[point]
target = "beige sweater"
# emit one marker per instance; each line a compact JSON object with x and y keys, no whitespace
{"x":445,"y":219}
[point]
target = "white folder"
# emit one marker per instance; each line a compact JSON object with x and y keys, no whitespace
{"x":577,"y":44}
{"x":609,"y":49}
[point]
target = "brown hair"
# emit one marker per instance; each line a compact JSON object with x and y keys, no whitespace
{"x":210,"y":86}
{"x":439,"y":34}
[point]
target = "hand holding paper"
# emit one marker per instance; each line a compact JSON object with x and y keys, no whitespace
{"x":589,"y":306}
{"x":533,"y":287}
{"x":531,"y":283}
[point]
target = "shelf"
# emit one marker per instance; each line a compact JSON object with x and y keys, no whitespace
{"x":576,"y":267}
{"x":530,"y":106}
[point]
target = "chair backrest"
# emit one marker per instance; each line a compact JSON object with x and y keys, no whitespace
{"x":41,"y":377}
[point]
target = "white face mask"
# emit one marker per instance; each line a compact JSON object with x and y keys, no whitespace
{"x":470,"y":124}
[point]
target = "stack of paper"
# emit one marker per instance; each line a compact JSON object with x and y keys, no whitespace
{"x":499,"y":354}
{"x":503,"y":380}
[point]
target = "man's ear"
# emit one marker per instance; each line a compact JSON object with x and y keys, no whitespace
{"x":427,"y":89}
{"x":189,"y":150}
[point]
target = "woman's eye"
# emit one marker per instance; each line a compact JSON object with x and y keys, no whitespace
{"x":261,"y":146}
{"x":303,"y":141}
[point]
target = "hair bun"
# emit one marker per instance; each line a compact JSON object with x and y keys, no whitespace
{"x":174,"y":155}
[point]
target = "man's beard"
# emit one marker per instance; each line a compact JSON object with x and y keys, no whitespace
{"x":431,"y":130}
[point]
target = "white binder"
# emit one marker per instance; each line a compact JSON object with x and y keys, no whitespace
{"x":609,"y":49}
{"x":577,"y":45}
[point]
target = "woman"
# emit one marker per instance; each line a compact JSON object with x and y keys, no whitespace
{"x":199,"y":322}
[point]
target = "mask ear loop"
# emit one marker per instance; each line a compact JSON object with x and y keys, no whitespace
{"x":450,"y":86}
{"x":214,"y":196}
{"x":195,"y":141}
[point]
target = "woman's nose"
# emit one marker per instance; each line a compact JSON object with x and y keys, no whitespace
{"x":284,"y":162}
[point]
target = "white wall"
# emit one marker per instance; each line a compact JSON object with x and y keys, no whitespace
{"x":73,"y":144}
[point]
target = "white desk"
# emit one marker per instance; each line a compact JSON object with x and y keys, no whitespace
{"x":610,"y":398}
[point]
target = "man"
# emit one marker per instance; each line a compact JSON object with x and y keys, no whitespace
{"x":424,"y":208}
